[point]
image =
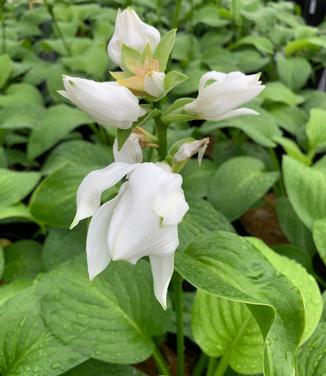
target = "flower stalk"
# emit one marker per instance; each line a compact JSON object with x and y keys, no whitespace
{"x":56,"y":26}
{"x":162,"y":137}
{"x":178,"y":307}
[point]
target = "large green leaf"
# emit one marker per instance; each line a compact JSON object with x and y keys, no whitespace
{"x":27,"y":347}
{"x":54,"y":201}
{"x":293,"y":71}
{"x":311,"y":358}
{"x":9,"y":290}
{"x":112,"y":318}
{"x":228,"y":266}
{"x":277,"y":92}
{"x":287,"y":117}
{"x":23,"y":93}
{"x":14,"y":185}
{"x":319,"y":235}
{"x":23,"y":260}
{"x":61,"y":245}
{"x":296,"y":232}
{"x":94,"y":367}
{"x":316,"y":129}
{"x":228,"y":328}
{"x":302,"y":280}
{"x":262,"y":44}
{"x":77,"y":153}
{"x":262,"y":129}
{"x":238,"y":184}
{"x":6,"y":66}
{"x":18,"y":211}
{"x":53,"y":126}
{"x":200,"y":218}
{"x":306,"y":188}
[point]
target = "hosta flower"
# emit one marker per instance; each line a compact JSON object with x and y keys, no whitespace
{"x":142,"y":220}
{"x":154,"y":84}
{"x":133,"y":32}
{"x":130,"y":152}
{"x":108,"y":103}
{"x":220,"y":95}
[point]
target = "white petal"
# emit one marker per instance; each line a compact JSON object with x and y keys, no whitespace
{"x":154,"y":84}
{"x":135,"y":228}
{"x":213,"y":75}
{"x":107,"y":103}
{"x":131,"y":151}
{"x":91,"y":188}
{"x":133,"y":32}
{"x":162,"y":270}
{"x":98,"y":255}
{"x":238,"y":112}
{"x":170,"y":203}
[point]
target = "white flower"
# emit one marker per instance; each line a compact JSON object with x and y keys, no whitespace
{"x":188,"y":149}
{"x":221,"y":94}
{"x":131,"y":151}
{"x":108,"y":103}
{"x":133,"y":32}
{"x":142,"y":220}
{"x":154,"y":83}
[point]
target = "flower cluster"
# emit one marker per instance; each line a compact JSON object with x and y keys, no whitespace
{"x":142,"y":220}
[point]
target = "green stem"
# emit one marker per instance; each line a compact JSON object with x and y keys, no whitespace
{"x":178,"y":307}
{"x":223,"y":365}
{"x":161,"y":129}
{"x":160,"y":362}
{"x":56,"y":26}
{"x":201,"y":365}
{"x":211,"y":366}
{"x":175,"y":20}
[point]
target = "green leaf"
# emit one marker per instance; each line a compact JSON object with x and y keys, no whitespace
{"x":26,"y":344}
{"x":77,"y":153}
{"x":200,"y":218}
{"x":97,"y":368}
{"x":128,"y":53}
{"x":314,"y":99}
{"x":173,"y":79}
{"x":300,"y":278}
{"x":22,"y":92}
{"x":226,"y":265}
{"x":61,"y":245}
{"x":164,"y":49}
{"x":14,"y":185}
{"x":262,"y":128}
{"x":122,"y":135}
{"x":238,"y":184}
{"x":306,"y":188}
{"x":316,"y":129}
{"x":196,"y":178}
{"x":262,"y":44}
{"x":312,"y":43}
{"x":287,"y":117}
{"x":226,"y":328}
{"x":55,"y":124}
{"x":6,"y":67}
{"x":296,"y":232}
{"x":209,"y":15}
{"x":9,"y":290}
{"x":293,"y":71}
{"x":293,"y":150}
{"x":22,"y":260}
{"x":319,"y":235}
{"x":277,"y":92}
{"x":112,"y":318}
{"x":249,"y":60}
{"x":54,"y":201}
{"x":19,"y":211}
{"x":311,"y":358}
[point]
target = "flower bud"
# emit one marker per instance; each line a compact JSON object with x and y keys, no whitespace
{"x":221,"y":94}
{"x":154,"y":83}
{"x":131,"y":31}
